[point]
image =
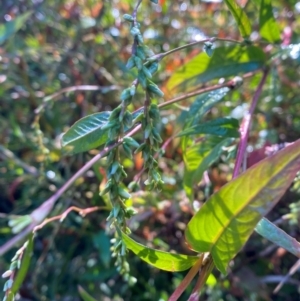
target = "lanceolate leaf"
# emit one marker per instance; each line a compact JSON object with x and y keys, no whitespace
{"x":240,"y":17}
{"x":84,"y":295}
{"x":205,"y":102}
{"x":225,"y":127}
{"x":159,"y":259}
{"x":9,"y":28}
{"x":225,"y":61}
{"x":198,"y":158}
{"x":202,"y":105}
{"x":268,"y":28}
{"x":225,"y":222}
{"x":86,"y":133}
{"x":271,"y":232}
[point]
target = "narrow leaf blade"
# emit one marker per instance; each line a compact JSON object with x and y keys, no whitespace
{"x":159,"y":259}
{"x":86,"y":133}
{"x":9,"y":28}
{"x":225,"y":222}
{"x":225,"y":127}
{"x":225,"y":61}
{"x":268,"y":27}
{"x":22,"y":272}
{"x":84,"y":295}
{"x":240,"y":17}
{"x":277,"y":236}
{"x":199,"y":158}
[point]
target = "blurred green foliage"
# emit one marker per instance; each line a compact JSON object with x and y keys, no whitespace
{"x":62,"y":60}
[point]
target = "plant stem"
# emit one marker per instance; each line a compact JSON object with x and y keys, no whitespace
{"x":187,"y":279}
{"x":205,"y":272}
{"x":46,"y":99}
{"x":195,"y":93}
{"x":245,"y":126}
{"x":213,"y":39}
{"x":82,"y":211}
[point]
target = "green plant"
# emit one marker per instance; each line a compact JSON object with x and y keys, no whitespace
{"x":222,"y":226}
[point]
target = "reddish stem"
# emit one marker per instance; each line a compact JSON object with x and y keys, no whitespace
{"x":187,"y":280}
{"x":245,"y":126}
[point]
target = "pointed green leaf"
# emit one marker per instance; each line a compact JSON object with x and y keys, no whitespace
{"x":86,"y":133}
{"x":240,"y":17}
{"x":159,"y":259}
{"x":268,"y":28}
{"x":225,"y":127}
{"x":277,"y":236}
{"x":205,"y":102}
{"x":198,"y":158}
{"x":225,"y":61}
{"x":202,"y":105}
{"x":225,"y":222}
{"x":84,"y":295}
{"x":9,"y":28}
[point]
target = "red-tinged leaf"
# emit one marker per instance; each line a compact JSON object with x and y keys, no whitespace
{"x":225,"y":222}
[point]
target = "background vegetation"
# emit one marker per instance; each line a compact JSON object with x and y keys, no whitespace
{"x":63,"y":60}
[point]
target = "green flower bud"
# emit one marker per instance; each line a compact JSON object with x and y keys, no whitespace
{"x":125,"y":94}
{"x":140,"y":52}
{"x":123,"y":193}
{"x":116,"y":210}
{"x":154,"y":89}
{"x":127,"y":150}
{"x":129,"y":212}
{"x":138,"y":62}
{"x":135,"y":31}
{"x":115,"y":166}
{"x":131,"y":142}
{"x":153,"y":67}
{"x":149,"y":52}
{"x":128,"y":18}
{"x":147,"y":131}
{"x":127,"y":119}
{"x":140,"y":148}
{"x":106,"y":188}
{"x":146,"y":72}
{"x":130,"y":63}
{"x":142,"y":79}
{"x":133,"y":186}
{"x":154,"y":113}
{"x":13,"y":265}
{"x":8,"y":284}
{"x":156,"y":135}
{"x":140,"y":39}
{"x":115,"y":113}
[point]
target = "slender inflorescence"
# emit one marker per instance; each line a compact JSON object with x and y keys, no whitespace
{"x":120,"y":120}
{"x":10,"y":273}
